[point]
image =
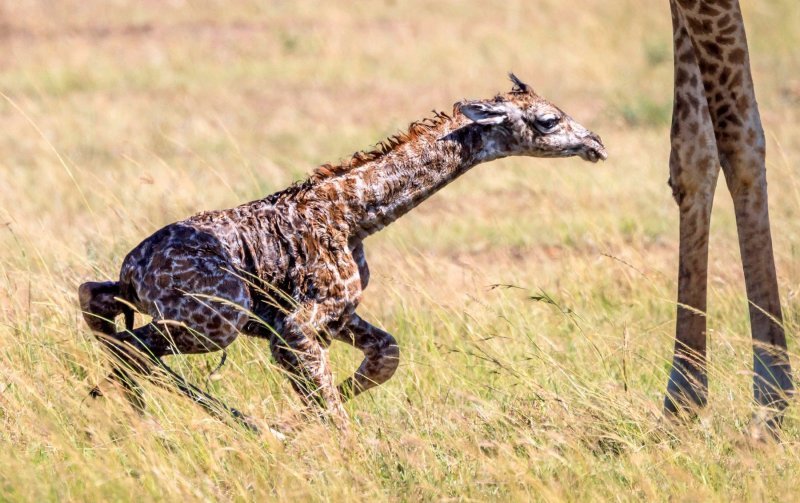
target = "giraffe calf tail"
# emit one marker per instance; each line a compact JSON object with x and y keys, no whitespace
{"x":100,"y":306}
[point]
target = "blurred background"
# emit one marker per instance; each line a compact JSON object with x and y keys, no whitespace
{"x":119,"y":117}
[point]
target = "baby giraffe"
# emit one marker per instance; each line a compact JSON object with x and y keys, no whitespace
{"x":290,"y":268}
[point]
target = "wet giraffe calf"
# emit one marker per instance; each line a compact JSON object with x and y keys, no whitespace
{"x":290,"y":268}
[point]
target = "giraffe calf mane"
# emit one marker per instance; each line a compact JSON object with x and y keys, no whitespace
{"x":382,"y":148}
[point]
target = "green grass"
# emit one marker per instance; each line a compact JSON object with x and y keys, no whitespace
{"x":119,"y":121}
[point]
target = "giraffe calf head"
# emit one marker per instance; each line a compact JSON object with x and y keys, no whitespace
{"x":523,"y":123}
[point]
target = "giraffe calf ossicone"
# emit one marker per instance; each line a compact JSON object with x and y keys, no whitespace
{"x":290,"y":268}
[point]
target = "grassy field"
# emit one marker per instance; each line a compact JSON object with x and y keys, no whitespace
{"x":120,"y":117}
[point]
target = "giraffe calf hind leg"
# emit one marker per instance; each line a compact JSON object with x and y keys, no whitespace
{"x":99,"y":305}
{"x":138,"y":351}
{"x":132,"y":389}
{"x":98,"y":301}
{"x":213,"y":406}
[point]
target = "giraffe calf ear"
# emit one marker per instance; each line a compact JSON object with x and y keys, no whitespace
{"x":482,"y":112}
{"x":519,"y":86}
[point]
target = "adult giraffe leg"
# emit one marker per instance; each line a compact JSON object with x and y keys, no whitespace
{"x":772,"y":380}
{"x":742,"y":152}
{"x":721,"y":52}
{"x":381,"y":357}
{"x":694,"y":170}
{"x":688,"y":382}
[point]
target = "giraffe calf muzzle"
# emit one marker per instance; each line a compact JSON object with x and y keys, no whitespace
{"x":593,"y":149}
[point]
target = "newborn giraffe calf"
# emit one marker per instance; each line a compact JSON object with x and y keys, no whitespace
{"x":290,"y":268}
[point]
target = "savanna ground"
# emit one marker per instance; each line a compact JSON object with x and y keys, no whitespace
{"x":119,"y":117}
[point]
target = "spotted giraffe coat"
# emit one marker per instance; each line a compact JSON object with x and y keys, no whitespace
{"x":291,"y":268}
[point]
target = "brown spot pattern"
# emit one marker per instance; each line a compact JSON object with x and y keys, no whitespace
{"x":291,"y":267}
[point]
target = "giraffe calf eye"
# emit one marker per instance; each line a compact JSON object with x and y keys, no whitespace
{"x":547,"y":123}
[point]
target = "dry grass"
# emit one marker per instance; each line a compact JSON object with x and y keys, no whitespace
{"x":119,"y":118}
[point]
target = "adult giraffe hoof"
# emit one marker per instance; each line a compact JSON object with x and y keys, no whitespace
{"x":687,"y":390}
{"x":772,"y":378}
{"x":765,"y":426}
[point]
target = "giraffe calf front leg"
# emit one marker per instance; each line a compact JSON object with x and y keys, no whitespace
{"x":381,"y":357}
{"x":298,"y":351}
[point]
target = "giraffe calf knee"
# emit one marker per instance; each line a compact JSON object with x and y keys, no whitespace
{"x":387,"y":359}
{"x":381,"y":359}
